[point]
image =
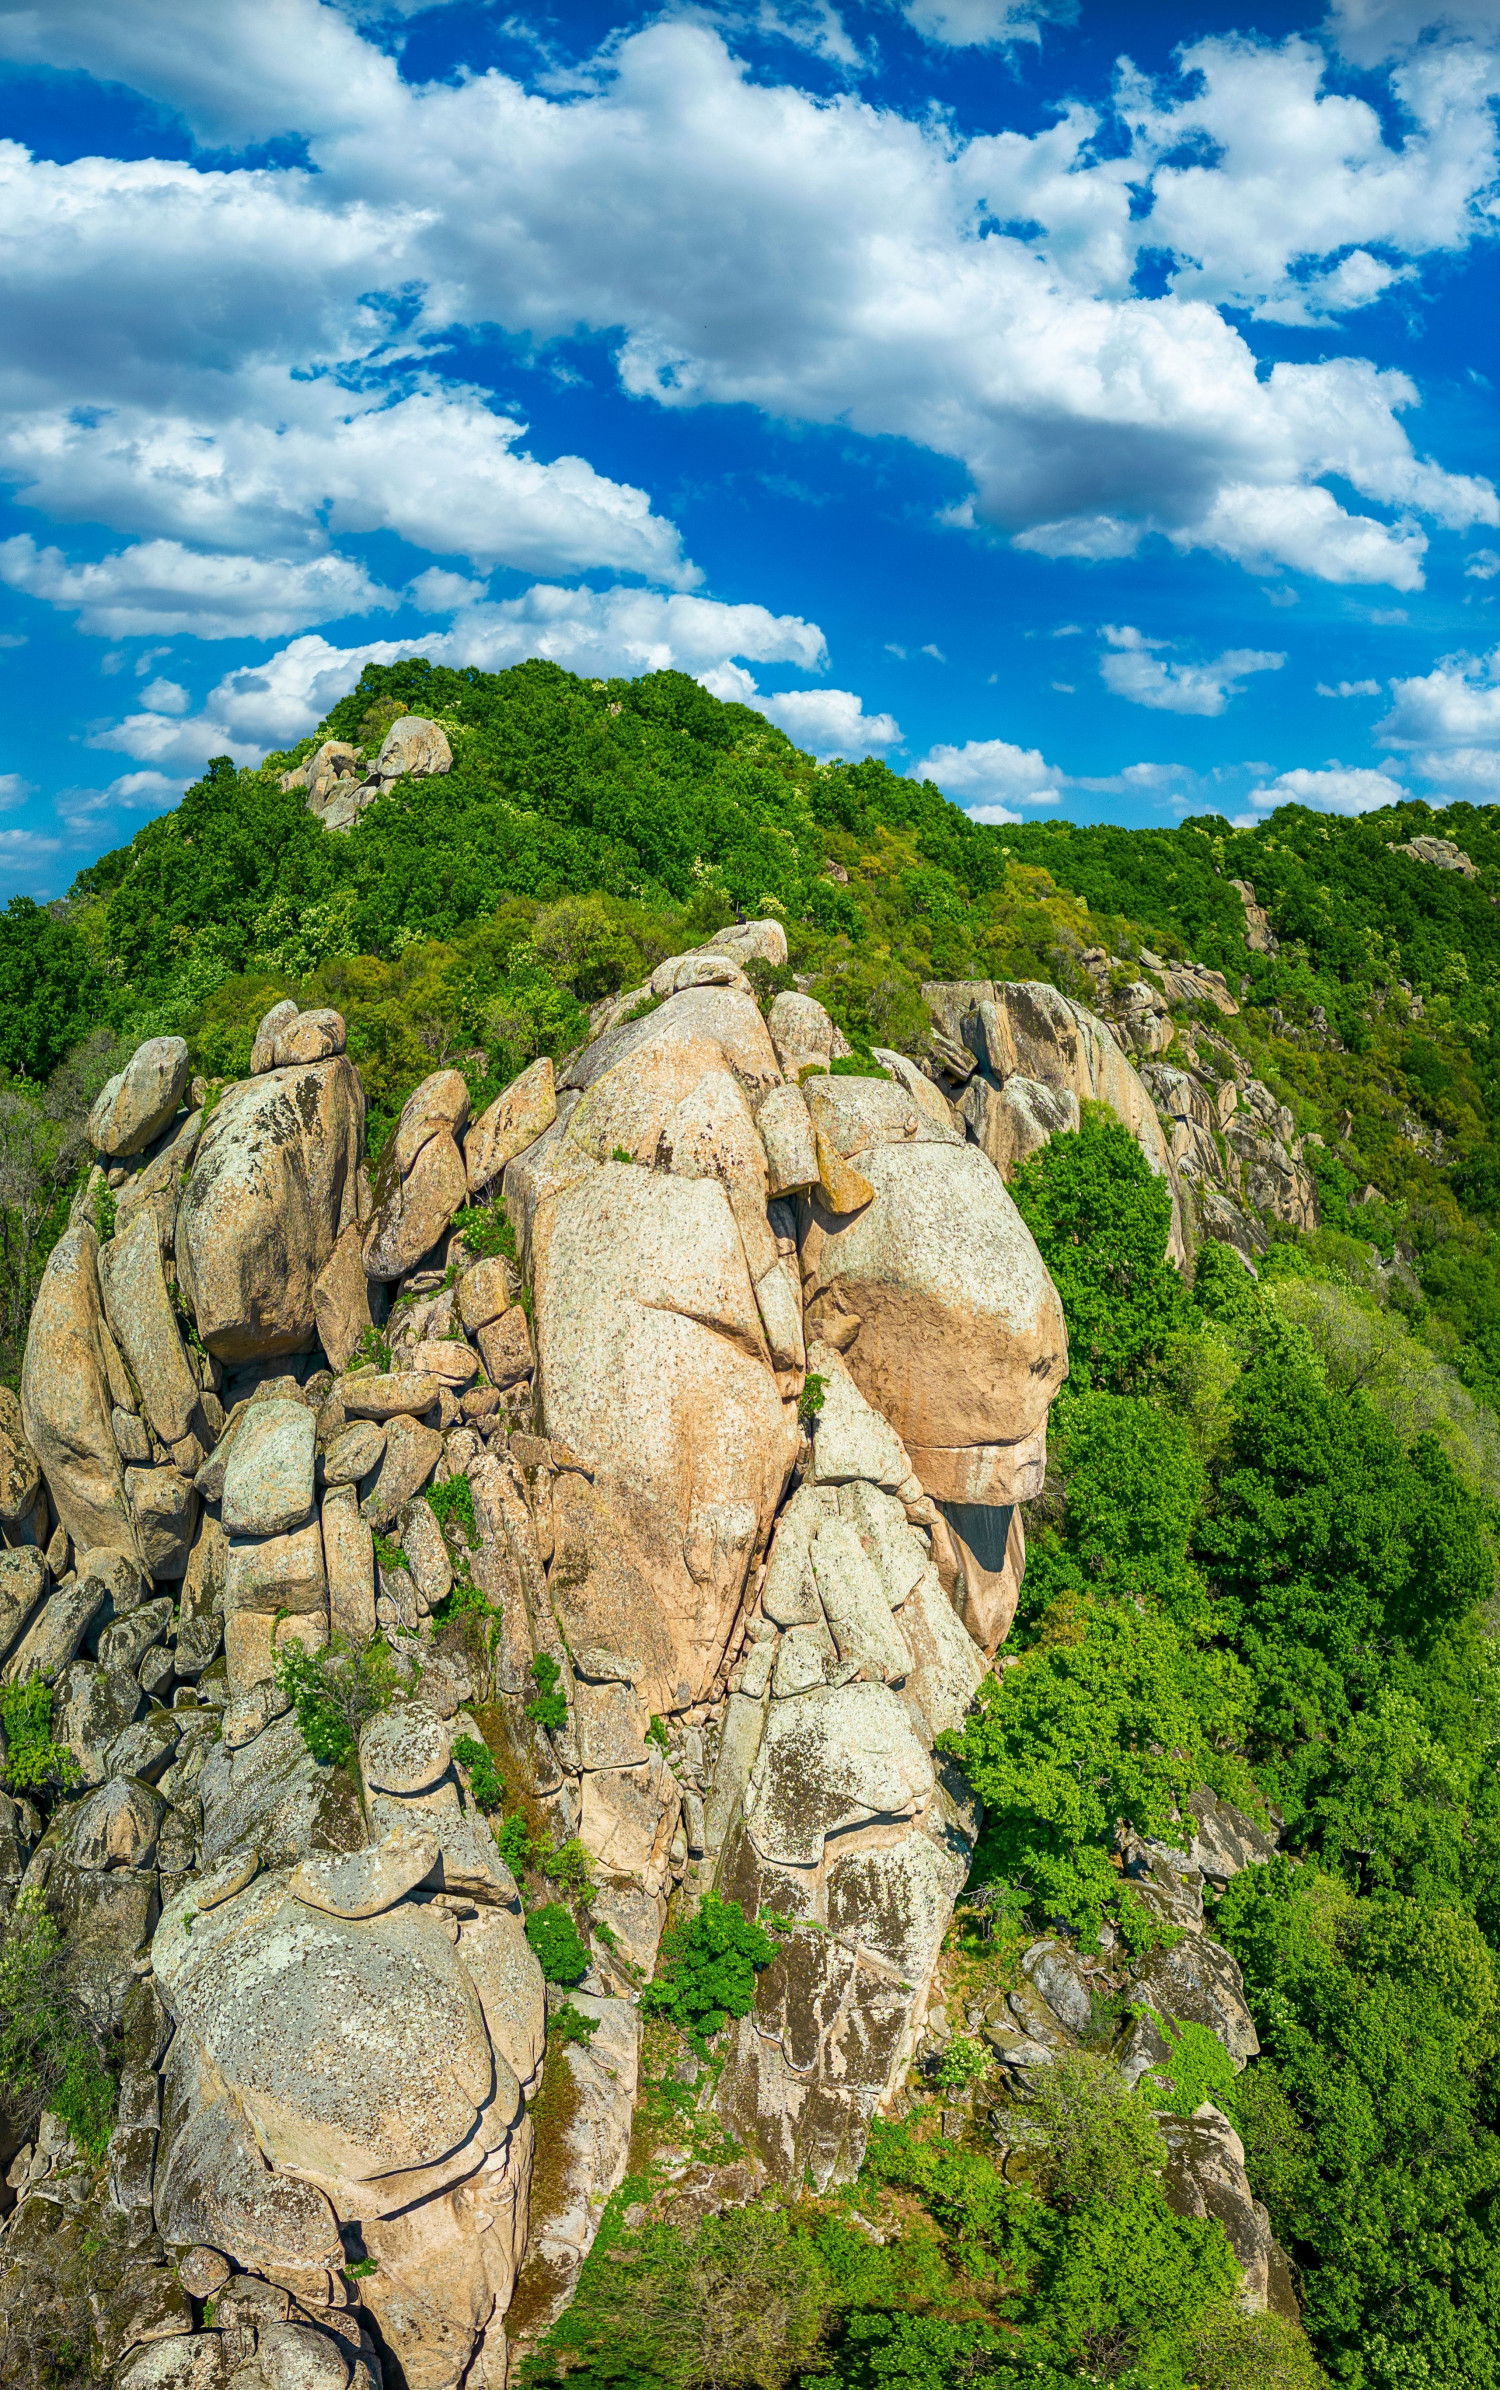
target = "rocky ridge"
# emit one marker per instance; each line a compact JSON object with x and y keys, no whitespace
{"x":745,"y":1418}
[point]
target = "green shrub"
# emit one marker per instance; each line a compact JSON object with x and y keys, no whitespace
{"x":561,"y":1952}
{"x":814,"y":1393}
{"x":484,"y":1777}
{"x":550,"y":1708}
{"x":48,"y":2057}
{"x":333,"y":1692}
{"x":1100,"y":2138}
{"x":513,"y":1840}
{"x":1101,"y":1219}
{"x":735,"y":2304}
{"x":707,"y":1968}
{"x":32,"y":1758}
{"x":569,"y":2024}
{"x":451,"y":1502}
{"x":962,"y":2063}
{"x":487,"y":1232}
{"x":1200,"y":2069}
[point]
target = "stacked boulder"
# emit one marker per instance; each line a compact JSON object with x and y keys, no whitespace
{"x":721,"y":1406}
{"x":338,"y":785}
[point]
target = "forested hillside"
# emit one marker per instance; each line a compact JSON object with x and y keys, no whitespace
{"x":1264,"y":1561}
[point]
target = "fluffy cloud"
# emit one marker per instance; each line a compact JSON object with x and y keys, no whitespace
{"x":989,"y":776}
{"x":745,"y":243}
{"x":1131,"y":670}
{"x":13,"y":790}
{"x":161,"y":586}
{"x":1349,"y":688}
{"x":1332,"y":791}
{"x":982,"y":24}
{"x":1447,"y":722}
{"x":1455,"y":705}
{"x":829,"y":721}
{"x":1300,"y":179}
{"x":272,"y":65}
{"x":624,"y":631}
{"x":822,"y":721}
{"x":1370,"y":31}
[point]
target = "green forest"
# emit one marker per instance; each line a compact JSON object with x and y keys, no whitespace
{"x":1265,"y":1559}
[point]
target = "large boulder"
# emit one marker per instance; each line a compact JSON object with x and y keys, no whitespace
{"x":849,"y":1830}
{"x":942,"y":1307}
{"x":653,"y":1362}
{"x":20,"y":1470}
{"x":138,"y":1102}
{"x":66,"y":1398}
{"x":273,"y":1185}
{"x":421,"y":1181}
{"x":1027,"y":1029}
{"x":139,"y":1310}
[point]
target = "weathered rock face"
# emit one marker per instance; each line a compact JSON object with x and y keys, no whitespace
{"x":136,"y":1105}
{"x":1028,"y":1030}
{"x":272,"y":1186}
{"x":66,"y":1402}
{"x":935,"y":1294}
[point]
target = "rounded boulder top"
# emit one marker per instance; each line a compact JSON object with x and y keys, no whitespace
{"x":135,"y":1105}
{"x":404,"y":1750}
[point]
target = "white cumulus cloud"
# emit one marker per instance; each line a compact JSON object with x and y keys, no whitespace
{"x":985,"y":774}
{"x":982,"y":24}
{"x":1334,"y":790}
{"x":597,"y":632}
{"x":829,"y":721}
{"x":1349,"y":688}
{"x":1132,"y":670}
{"x":14,"y":790}
{"x":743,"y":243}
{"x":162,"y":586}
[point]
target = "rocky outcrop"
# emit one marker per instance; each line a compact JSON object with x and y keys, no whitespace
{"x":338,"y":786}
{"x":137,"y":1103}
{"x":272,"y":1185}
{"x":1023,"y":1029}
{"x":728,"y":1416}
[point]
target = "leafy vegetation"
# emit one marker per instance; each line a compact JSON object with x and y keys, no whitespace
{"x":707,"y":1968}
{"x":561,"y":1951}
{"x":334,"y":1691}
{"x":1265,"y":1559}
{"x":33,"y":1763}
{"x":49,"y":2056}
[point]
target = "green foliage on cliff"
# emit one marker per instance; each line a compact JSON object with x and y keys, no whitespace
{"x":707,"y":1968}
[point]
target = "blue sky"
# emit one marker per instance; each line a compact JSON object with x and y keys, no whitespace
{"x":1091,"y":405}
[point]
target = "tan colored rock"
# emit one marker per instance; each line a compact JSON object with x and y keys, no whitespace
{"x":354,"y":1453}
{"x":505,"y":1344}
{"x":66,"y":1400}
{"x":653,"y":1360}
{"x":159,"y":1184}
{"x":938,"y":1299}
{"x":310,"y":1037}
{"x":446,"y":1358}
{"x":272,"y":1186}
{"x":1013,"y":1122}
{"x":938,"y":1115}
{"x":263,"y":1050}
{"x":139,"y":1101}
{"x":276,"y":1572}
{"x":56,"y":1631}
{"x":23,"y":1581}
{"x":412,"y":1212}
{"x":841,"y":1186}
{"x":854,"y":1114}
{"x":485,"y":1292}
{"x":341,"y":1299}
{"x":751,"y":941}
{"x":512,"y":1122}
{"x":711,"y":1133}
{"x":411,"y":1454}
{"x":786,"y":1131}
{"x":981,"y":1554}
{"x":1025,"y":1027}
{"x":255,"y":1639}
{"x":349,"y":1558}
{"x":164,"y":1506}
{"x":20,"y":1470}
{"x":440,"y":1101}
{"x":414,"y":748}
{"x":724,"y":1017}
{"x":139,"y":1310}
{"x":804,"y":1035}
{"x":391,"y":1395}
